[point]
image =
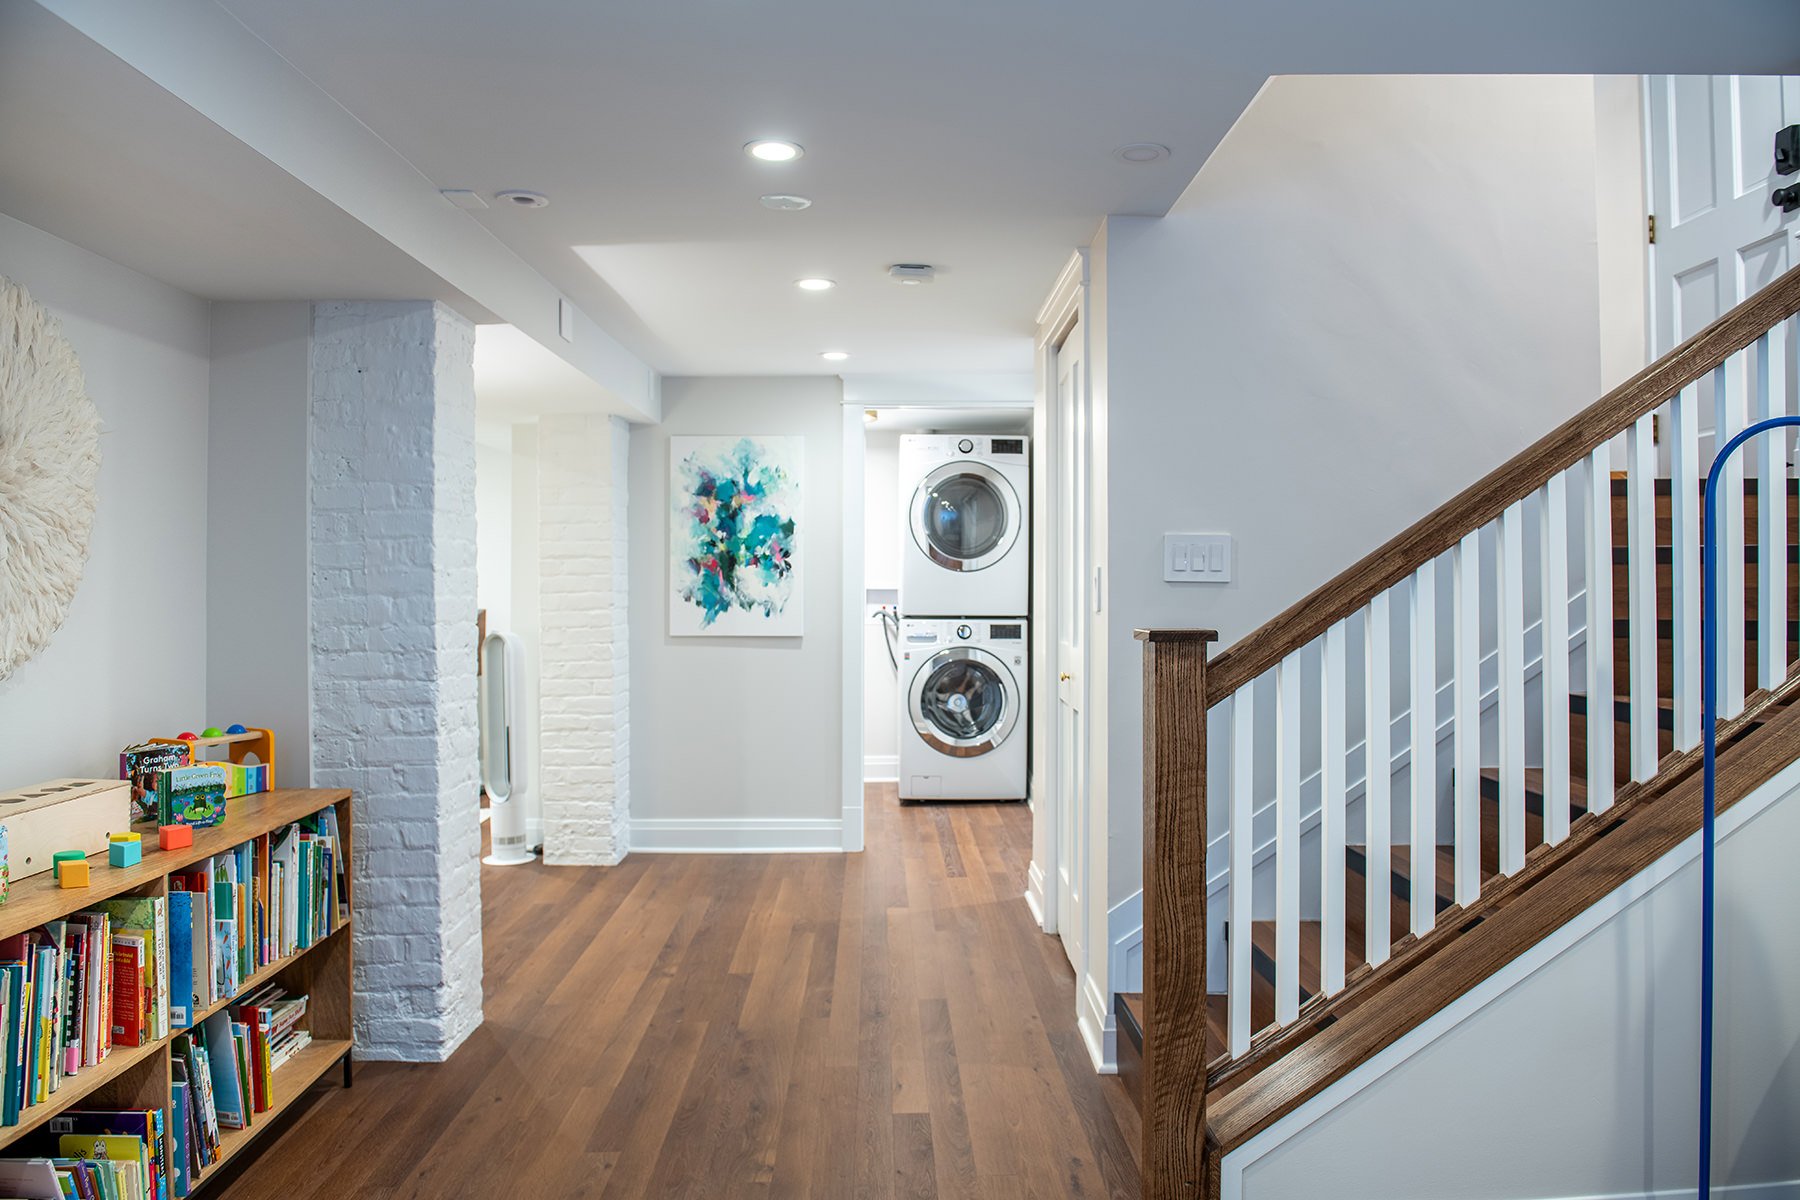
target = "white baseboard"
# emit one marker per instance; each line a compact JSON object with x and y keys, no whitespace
{"x":881,"y":768}
{"x":1034,"y":894}
{"x":1093,"y":1016}
{"x":759,"y":835}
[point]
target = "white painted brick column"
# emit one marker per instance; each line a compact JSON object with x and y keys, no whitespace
{"x":392,"y":517}
{"x":584,"y":693}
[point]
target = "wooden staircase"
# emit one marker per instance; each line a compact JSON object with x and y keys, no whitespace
{"x":1200,"y":1100}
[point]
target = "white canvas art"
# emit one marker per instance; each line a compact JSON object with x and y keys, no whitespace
{"x":736,"y":565}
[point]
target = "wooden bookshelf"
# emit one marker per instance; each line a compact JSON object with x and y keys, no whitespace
{"x":140,"y":1076}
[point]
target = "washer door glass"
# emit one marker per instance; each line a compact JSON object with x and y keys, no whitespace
{"x":965,"y":516}
{"x":963,"y":700}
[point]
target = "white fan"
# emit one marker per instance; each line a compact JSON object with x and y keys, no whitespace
{"x":504,"y":771}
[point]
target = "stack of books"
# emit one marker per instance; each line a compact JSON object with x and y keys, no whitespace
{"x":72,"y":990}
{"x":98,"y":1155}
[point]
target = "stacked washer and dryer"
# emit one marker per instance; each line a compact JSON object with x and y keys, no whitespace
{"x":965,"y":596}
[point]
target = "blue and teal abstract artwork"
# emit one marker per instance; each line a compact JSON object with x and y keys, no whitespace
{"x":734,"y":524}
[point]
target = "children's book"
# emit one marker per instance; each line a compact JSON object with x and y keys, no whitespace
{"x":141,"y":763}
{"x":183,"y":998}
{"x":29,"y":1179}
{"x":222,"y":1062}
{"x":191,"y":796}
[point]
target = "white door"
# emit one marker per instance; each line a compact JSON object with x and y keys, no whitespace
{"x":1069,"y":570}
{"x":1712,"y":166}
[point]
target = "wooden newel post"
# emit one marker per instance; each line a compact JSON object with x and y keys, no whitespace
{"x":1174,"y":1093}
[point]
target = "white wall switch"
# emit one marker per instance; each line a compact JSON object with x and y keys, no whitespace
{"x":1197,"y":557}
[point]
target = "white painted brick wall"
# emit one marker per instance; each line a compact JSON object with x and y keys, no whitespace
{"x":584,"y":704}
{"x":392,"y":514}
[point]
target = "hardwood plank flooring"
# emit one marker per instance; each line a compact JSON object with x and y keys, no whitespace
{"x":817,"y":1027}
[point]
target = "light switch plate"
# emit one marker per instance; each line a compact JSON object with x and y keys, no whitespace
{"x":1197,"y":557}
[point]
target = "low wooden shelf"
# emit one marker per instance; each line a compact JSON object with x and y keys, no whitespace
{"x":134,"y":1077}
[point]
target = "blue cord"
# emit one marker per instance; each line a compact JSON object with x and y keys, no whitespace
{"x":1709,"y":721}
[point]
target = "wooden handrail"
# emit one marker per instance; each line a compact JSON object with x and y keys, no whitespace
{"x":1501,"y":488}
{"x":1174,"y":1074}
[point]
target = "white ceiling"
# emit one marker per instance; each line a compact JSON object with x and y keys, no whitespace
{"x":94,"y":153}
{"x":977,"y":137}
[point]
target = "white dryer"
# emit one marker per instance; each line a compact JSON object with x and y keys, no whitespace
{"x":964,"y":690}
{"x":966,"y":549}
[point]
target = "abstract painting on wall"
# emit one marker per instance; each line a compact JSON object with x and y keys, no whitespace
{"x":735,"y":564}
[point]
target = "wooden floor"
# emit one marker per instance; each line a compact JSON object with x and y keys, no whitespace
{"x":885,"y":1024}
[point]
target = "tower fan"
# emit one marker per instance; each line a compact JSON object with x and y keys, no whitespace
{"x":504,"y":771}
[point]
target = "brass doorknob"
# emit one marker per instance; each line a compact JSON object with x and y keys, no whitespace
{"x":1064,"y":677}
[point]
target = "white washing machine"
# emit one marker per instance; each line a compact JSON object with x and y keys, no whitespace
{"x":964,"y":690}
{"x":966,"y":549}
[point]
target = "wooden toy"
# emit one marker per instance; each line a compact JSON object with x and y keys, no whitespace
{"x":188,"y":737}
{"x":130,"y":835}
{"x":63,"y":856}
{"x":72,"y":873}
{"x":251,"y":749}
{"x":125,"y":854}
{"x":173,"y":837}
{"x":212,"y":731}
{"x":73,"y":814}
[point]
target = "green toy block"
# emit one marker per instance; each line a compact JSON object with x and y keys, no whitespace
{"x":125,"y":854}
{"x":66,"y":856}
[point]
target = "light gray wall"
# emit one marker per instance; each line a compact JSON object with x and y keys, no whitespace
{"x":257,"y":556}
{"x":130,"y":660}
{"x":881,"y":572}
{"x":737,"y":729}
{"x":1378,"y":289}
{"x":1581,"y":1080}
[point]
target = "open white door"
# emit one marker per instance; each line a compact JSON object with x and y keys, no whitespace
{"x":1068,"y":583}
{"x":1718,"y":238}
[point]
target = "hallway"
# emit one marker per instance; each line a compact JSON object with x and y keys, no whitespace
{"x":889,"y":1023}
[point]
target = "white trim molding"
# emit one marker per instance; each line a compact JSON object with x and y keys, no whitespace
{"x":1034,"y":893}
{"x":881,"y":768}
{"x":742,"y":835}
{"x":1099,"y":1030}
{"x":1125,"y":938}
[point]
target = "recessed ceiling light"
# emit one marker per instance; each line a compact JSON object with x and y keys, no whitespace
{"x":784,"y":203}
{"x":1142,"y":152}
{"x":834,"y":355}
{"x":519,"y":198}
{"x":815,"y":284}
{"x":770,"y":150}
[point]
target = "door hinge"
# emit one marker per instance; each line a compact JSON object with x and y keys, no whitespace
{"x":1652,"y":223}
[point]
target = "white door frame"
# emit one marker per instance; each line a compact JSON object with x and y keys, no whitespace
{"x":850,"y":768}
{"x":1066,"y":307}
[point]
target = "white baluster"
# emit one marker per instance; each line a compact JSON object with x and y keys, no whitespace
{"x":1772,"y":510}
{"x":1554,"y":541}
{"x":1732,"y":405}
{"x":1640,"y":538}
{"x":1243,"y":847}
{"x":1423,"y":724}
{"x":1466,"y":681}
{"x":1597,"y":528}
{"x":1332,"y":709}
{"x":1287,"y":840}
{"x":1511,"y":588}
{"x":1686,"y":473}
{"x":1378,"y":778}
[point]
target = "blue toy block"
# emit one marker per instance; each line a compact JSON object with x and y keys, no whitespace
{"x":125,"y":854}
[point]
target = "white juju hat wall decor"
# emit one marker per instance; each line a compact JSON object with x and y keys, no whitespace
{"x":49,"y":460}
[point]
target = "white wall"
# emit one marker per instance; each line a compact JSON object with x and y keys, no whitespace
{"x":494,"y":522}
{"x":737,"y":743}
{"x":1609,"y":1011}
{"x":881,"y":573}
{"x":1378,"y":289}
{"x":257,"y":544}
{"x":130,"y":660}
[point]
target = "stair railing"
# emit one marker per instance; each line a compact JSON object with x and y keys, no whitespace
{"x":1354,"y":742}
